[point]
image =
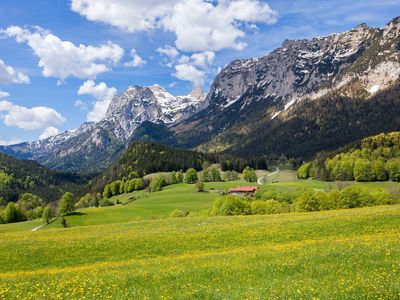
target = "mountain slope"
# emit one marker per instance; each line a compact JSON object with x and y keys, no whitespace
{"x":22,"y":176}
{"x":94,"y":146}
{"x":277,"y":104}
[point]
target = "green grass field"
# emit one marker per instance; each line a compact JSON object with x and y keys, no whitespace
{"x":135,"y":251}
{"x":346,"y":254}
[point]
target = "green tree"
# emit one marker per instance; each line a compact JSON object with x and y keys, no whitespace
{"x":13,"y":213}
{"x":179,"y":176}
{"x":107,"y":191}
{"x":230,"y":206}
{"x":249,"y":175}
{"x":66,"y":204}
{"x":363,"y":170}
{"x":215,"y":175}
{"x":393,"y":167}
{"x":304,"y":171}
{"x":29,"y":201}
{"x":47,"y":215}
{"x":379,"y":171}
{"x":191,"y":176}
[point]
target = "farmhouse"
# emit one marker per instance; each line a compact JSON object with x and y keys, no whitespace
{"x":243,"y":190}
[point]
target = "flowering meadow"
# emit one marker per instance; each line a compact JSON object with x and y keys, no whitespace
{"x":343,"y":254}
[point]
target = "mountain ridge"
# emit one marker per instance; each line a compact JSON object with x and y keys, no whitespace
{"x":250,"y":102}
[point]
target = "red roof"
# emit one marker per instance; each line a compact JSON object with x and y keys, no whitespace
{"x":244,"y":189}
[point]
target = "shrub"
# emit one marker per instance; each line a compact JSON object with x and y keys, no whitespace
{"x":260,"y":207}
{"x":352,"y":197}
{"x":328,"y":201}
{"x":106,"y":202}
{"x":191,"y":176}
{"x":157,"y":183}
{"x":382,"y":197}
{"x":199,"y":186}
{"x":307,"y":201}
{"x":230,"y":206}
{"x":304,"y":171}
{"x":13,"y":213}
{"x":177,"y":213}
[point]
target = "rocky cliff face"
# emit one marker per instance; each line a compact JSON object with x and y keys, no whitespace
{"x":251,"y":95}
{"x":313,"y":67}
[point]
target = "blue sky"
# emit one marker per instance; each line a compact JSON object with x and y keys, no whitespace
{"x":49,"y":83}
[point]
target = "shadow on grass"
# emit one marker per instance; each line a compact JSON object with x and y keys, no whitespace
{"x":75,"y":213}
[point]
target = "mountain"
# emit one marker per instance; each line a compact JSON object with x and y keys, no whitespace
{"x":306,"y":96}
{"x":303,"y":97}
{"x":94,"y":146}
{"x":22,"y":176}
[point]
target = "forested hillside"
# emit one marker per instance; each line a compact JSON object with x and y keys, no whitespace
{"x":21,"y":176}
{"x":148,"y":157}
{"x":376,"y":158}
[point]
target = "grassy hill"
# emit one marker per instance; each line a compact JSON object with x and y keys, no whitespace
{"x":324,"y":255}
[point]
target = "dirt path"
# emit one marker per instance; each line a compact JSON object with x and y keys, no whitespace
{"x":259,"y":180}
{"x":37,"y":228}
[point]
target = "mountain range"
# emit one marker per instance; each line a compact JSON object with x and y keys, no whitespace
{"x":303,"y":97}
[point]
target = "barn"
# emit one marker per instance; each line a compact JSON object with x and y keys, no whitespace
{"x":243,"y":190}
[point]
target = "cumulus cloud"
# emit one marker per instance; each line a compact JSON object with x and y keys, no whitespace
{"x":62,"y":59}
{"x":168,"y":51}
{"x":29,"y":118}
{"x":3,"y":94}
{"x":102,"y":94}
{"x":136,"y":61}
{"x":128,"y":15}
{"x":194,"y":68}
{"x":9,"y":75}
{"x":199,"y":25}
{"x":48,"y":132}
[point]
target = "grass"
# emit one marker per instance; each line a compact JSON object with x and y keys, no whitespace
{"x":151,"y":205}
{"x":345,"y":254}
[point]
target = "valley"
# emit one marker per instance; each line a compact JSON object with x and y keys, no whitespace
{"x":280,"y":182}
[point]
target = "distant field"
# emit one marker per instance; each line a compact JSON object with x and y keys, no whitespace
{"x":153,"y":205}
{"x":346,"y":254}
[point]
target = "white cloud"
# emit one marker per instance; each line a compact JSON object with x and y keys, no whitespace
{"x":128,"y":15}
{"x":136,"y":61}
{"x":81,"y":105}
{"x":29,"y":118}
{"x":168,"y":51}
{"x":62,"y":59}
{"x":190,"y":73}
{"x":102,"y":94}
{"x":194,"y":68}
{"x":48,"y":132}
{"x":13,"y":141}
{"x":3,"y":94}
{"x":9,"y":75}
{"x":199,"y":25}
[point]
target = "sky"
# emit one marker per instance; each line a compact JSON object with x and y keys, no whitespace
{"x":62,"y":61}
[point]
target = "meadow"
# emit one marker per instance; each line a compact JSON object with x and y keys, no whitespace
{"x":135,"y":251}
{"x":344,"y":254}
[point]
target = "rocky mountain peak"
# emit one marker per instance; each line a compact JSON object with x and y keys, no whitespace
{"x":197,"y":93}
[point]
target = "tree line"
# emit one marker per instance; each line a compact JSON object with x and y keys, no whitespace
{"x":375,"y":158}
